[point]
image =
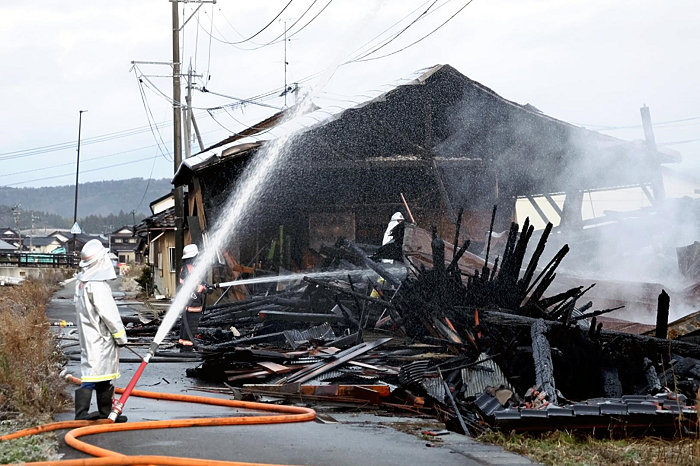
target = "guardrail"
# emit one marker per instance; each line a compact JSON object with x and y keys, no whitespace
{"x":37,"y":260}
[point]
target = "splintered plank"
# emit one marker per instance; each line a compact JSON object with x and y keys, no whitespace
{"x":274,"y":368}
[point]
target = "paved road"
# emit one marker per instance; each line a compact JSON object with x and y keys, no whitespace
{"x":355,"y":439}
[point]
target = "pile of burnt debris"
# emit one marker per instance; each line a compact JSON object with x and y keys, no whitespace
{"x":484,"y":348}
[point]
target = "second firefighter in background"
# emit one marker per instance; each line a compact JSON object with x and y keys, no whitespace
{"x":189,"y":323}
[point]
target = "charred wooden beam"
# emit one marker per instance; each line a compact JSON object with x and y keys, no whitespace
{"x":663,"y":305}
{"x":650,"y":344}
{"x":542,"y":354}
{"x":369,"y":263}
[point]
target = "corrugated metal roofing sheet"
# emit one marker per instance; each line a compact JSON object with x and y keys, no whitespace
{"x":485,"y":374}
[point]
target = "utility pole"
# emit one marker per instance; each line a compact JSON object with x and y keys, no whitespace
{"x":31,"y":237}
{"x":657,"y":181}
{"x":188,"y":115}
{"x":177,"y":140}
{"x":77,"y":172}
{"x":133,"y":218}
{"x":15,"y":213}
{"x":189,"y":119}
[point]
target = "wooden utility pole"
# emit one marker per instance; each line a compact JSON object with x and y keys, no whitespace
{"x":177,"y":140}
{"x":657,"y":181}
{"x":77,"y":172}
{"x":188,"y":114}
{"x":16,"y":212}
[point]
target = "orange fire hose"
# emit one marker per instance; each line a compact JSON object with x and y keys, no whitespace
{"x":288,"y":414}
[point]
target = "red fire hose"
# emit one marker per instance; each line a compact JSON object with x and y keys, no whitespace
{"x":283,"y":414}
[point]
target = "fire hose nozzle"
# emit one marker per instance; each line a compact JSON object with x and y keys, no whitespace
{"x":117,"y":408}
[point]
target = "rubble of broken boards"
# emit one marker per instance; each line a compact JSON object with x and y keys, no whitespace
{"x":478,"y":349}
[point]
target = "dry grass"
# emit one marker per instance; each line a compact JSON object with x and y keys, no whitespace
{"x":563,"y":448}
{"x":30,"y":360}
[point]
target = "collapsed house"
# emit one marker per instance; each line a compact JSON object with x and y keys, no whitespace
{"x":482,"y":332}
{"x":442,"y":140}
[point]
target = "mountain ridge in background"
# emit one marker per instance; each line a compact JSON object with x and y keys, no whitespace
{"x":94,"y":198}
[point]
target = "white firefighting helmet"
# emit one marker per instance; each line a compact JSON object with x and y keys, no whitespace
{"x":189,"y":251}
{"x":91,"y":252}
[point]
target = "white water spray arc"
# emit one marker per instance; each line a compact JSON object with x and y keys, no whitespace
{"x":248,"y":191}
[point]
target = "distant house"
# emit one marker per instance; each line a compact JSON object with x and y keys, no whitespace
{"x":62,"y":235}
{"x":6,"y":247}
{"x":11,"y":236}
{"x":157,"y":244}
{"x":80,"y":240}
{"x":42,"y":244}
{"x":123,"y":244}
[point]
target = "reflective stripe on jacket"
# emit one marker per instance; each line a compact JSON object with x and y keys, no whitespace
{"x":100,"y":328}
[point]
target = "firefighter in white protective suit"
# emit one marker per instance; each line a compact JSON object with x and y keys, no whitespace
{"x":101,"y":332}
{"x":395,"y":220}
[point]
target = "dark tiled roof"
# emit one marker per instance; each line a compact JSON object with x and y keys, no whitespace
{"x":162,"y":220}
{"x":40,"y":240}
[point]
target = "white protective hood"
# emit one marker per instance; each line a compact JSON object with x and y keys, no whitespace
{"x":99,"y":271}
{"x":395,"y":220}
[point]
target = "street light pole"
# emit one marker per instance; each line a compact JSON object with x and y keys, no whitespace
{"x":77,"y":172}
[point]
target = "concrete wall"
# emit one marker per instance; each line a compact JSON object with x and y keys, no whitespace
{"x":33,"y":272}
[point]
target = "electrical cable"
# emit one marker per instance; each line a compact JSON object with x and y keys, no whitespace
{"x":366,"y":44}
{"x":218,"y":123}
{"x":398,"y":34}
{"x":266,"y":26}
{"x":148,"y":185}
{"x":276,"y":39}
{"x":419,"y":40}
{"x":147,"y":108}
{"x":71,"y":145}
{"x":209,"y":58}
{"x":673,"y":143}
{"x":82,"y":171}
{"x":661,"y":123}
{"x":196,"y":44}
{"x":92,"y":159}
{"x":240,"y":101}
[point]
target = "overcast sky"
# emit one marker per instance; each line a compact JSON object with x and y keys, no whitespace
{"x":592,"y":62}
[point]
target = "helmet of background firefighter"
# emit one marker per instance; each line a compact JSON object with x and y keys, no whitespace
{"x":395,"y":220}
{"x":95,"y":263}
{"x":190,"y":251}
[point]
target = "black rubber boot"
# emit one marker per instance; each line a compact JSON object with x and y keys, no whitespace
{"x":105,"y":393}
{"x":82,"y":405}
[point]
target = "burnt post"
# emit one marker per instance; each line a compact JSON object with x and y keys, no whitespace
{"x":662,"y":315}
{"x":438,"y":247}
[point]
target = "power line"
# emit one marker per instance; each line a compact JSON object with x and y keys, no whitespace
{"x":83,"y":171}
{"x":398,"y":34}
{"x":147,"y":108}
{"x":673,"y":143}
{"x":70,"y":145}
{"x":73,"y":163}
{"x":419,"y":40}
{"x":394,"y":25}
{"x":276,"y":39}
{"x":266,"y":26}
{"x":211,"y":26}
{"x":33,"y":170}
{"x":150,"y":177}
{"x":660,"y":123}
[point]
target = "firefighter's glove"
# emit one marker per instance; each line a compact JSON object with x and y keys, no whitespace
{"x":121,"y":339}
{"x":211,"y":288}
